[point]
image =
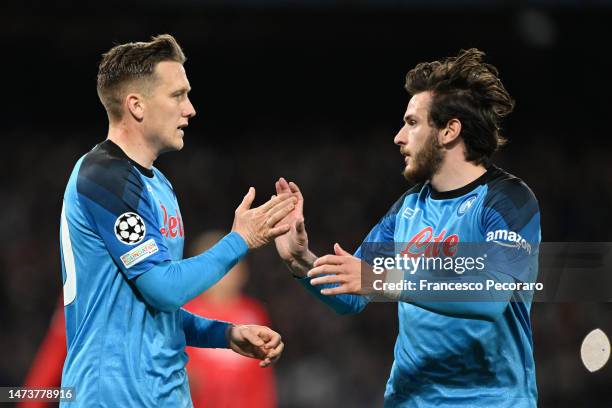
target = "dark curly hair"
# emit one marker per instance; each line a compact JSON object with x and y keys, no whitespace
{"x":468,"y":89}
{"x":127,"y":63}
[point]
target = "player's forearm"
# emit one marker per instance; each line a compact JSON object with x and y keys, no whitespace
{"x":204,"y":333}
{"x":170,"y":285}
{"x":469,"y":304}
{"x":341,"y":304}
{"x":480,"y":310}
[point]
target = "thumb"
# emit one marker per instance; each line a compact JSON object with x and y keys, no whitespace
{"x":339,"y":251}
{"x":247,"y":200}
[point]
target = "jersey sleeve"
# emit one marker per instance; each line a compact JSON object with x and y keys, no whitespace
{"x":204,"y":333}
{"x":348,"y":303}
{"x":116,"y":202}
{"x":511,"y":227}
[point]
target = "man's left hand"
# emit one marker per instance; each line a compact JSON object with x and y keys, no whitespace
{"x":258,"y":342}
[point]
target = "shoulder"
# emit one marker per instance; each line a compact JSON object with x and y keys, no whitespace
{"x":104,"y":166}
{"x":505,"y":187}
{"x":397,"y":206}
{"x":105,"y":175}
{"x":383,"y":231}
{"x":509,"y":201}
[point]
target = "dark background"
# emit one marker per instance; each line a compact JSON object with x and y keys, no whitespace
{"x":312,"y":91}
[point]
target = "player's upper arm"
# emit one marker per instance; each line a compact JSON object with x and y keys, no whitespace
{"x":118,"y":206}
{"x":511,"y":227}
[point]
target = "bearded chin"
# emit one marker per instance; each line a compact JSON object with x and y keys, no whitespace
{"x":425,"y":163}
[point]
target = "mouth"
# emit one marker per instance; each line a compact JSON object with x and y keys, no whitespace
{"x":406,"y":157}
{"x":181,"y":128}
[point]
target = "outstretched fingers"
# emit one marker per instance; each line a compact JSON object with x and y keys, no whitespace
{"x":329,"y":260}
{"x":280,"y":211}
{"x":295,"y":189}
{"x":278,"y":231}
{"x":328,"y":279}
{"x":276,"y":200}
{"x":325,"y":270}
{"x":284,"y":185}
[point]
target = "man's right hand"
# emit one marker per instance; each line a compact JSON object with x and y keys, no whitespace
{"x":258,"y":226}
{"x":292,"y":247}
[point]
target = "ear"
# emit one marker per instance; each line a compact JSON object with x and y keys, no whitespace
{"x":135,"y":105}
{"x":451,"y":132}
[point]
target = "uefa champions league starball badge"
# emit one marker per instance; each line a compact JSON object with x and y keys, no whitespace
{"x":130,"y":228}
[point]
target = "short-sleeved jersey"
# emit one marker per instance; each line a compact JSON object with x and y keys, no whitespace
{"x":118,"y":221}
{"x":447,"y":361}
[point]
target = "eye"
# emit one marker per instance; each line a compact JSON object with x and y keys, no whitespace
{"x":180,"y":95}
{"x":411,"y":122}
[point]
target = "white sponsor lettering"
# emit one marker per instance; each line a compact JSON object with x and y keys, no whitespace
{"x":509,"y":239}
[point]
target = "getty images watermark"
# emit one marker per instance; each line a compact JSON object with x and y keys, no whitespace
{"x":393,"y":272}
{"x":458,"y":272}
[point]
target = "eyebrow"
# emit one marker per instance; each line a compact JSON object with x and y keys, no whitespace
{"x":409,"y":116}
{"x":181,"y":91}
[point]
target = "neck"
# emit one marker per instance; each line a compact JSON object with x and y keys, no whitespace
{"x":132,"y":142}
{"x":454,"y":174}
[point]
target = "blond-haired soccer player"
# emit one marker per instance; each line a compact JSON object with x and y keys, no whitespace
{"x":122,"y":235}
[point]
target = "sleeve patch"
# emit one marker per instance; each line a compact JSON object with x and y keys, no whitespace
{"x":130,"y":229}
{"x":140,"y":253}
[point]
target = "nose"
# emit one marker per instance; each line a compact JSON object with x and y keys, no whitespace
{"x":190,"y":111}
{"x":401,"y":138}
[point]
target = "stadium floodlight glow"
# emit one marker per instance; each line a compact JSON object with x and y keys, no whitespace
{"x":595,"y":350}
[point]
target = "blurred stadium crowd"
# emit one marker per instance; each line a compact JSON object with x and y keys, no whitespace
{"x":319,"y":106}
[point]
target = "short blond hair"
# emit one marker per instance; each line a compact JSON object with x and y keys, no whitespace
{"x":130,"y":63}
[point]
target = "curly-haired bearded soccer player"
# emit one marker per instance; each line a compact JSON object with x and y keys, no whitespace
{"x":452,"y":353}
{"x":122,"y":246}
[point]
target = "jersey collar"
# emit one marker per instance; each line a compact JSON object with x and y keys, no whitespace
{"x":461,"y":191}
{"x":112,"y":149}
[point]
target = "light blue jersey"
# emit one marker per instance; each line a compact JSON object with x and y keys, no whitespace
{"x":119,"y":220}
{"x":447,"y":361}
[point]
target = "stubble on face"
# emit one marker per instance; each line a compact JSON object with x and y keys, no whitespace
{"x":426,"y":162}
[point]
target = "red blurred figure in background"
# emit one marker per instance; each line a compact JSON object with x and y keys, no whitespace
{"x":46,"y":368}
{"x":220,"y":378}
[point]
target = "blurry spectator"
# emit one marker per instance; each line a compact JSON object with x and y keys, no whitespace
{"x":218,"y":377}
{"x":46,"y":369}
